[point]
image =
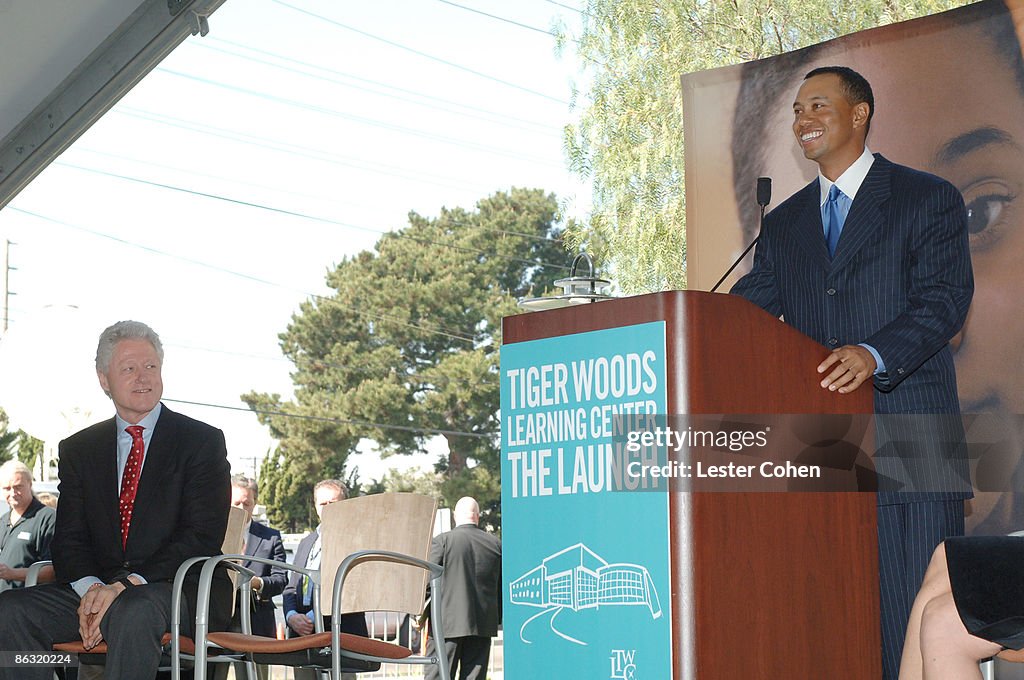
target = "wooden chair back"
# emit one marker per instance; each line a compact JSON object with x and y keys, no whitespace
{"x":397,"y":522}
{"x":232,"y":545}
{"x":233,"y":538}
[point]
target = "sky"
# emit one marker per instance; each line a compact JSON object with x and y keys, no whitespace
{"x":215,"y":196}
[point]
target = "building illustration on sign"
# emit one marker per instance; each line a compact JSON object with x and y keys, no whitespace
{"x":577,"y":578}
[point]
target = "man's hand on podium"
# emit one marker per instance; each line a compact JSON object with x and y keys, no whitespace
{"x":850,"y":366}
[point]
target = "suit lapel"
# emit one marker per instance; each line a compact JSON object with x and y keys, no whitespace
{"x":107,"y":473}
{"x":301,"y":557}
{"x":866,"y":217}
{"x":252,"y":543}
{"x":809,"y":231}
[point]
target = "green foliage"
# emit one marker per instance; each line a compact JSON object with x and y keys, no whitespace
{"x":17,"y":444}
{"x":629,"y":138}
{"x":395,"y":481}
{"x":7,"y":438}
{"x":406,"y":349}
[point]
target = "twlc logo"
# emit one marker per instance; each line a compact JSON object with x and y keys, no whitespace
{"x":623,"y":664}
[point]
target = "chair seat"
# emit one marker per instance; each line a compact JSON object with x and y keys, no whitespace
{"x":258,"y":644}
{"x":76,"y":647}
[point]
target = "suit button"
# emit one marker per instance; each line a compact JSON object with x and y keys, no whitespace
{"x":831,"y":291}
{"x":833,"y":341}
{"x":900,"y":371}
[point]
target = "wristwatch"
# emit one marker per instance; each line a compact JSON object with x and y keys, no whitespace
{"x":126,"y":582}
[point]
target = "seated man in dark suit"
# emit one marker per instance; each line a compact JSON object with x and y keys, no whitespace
{"x":260,"y":541}
{"x":115,"y":552}
{"x":298,"y":605}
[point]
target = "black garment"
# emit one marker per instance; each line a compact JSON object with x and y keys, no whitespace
{"x":467,"y":657}
{"x":988,"y":586}
{"x":471,"y":605}
{"x":354,"y":623}
{"x":264,"y":542}
{"x":471,"y":558}
{"x":133,"y":626}
{"x":27,"y":540}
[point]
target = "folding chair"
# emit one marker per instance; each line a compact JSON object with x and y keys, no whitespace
{"x":35,"y":575}
{"x":373,"y":559}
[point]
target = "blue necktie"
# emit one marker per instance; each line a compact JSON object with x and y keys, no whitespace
{"x":835,"y":216}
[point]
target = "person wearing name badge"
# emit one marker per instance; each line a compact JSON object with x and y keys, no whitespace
{"x":263,"y":542}
{"x":298,"y":595}
{"x":26,"y":529}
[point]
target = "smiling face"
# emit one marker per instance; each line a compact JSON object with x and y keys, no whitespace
{"x":937,"y":114}
{"x":133,"y":380}
{"x":828,"y":127}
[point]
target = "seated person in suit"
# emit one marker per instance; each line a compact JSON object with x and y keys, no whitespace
{"x":970,"y":607}
{"x":140,"y":493}
{"x":298,"y":604}
{"x":260,"y":541}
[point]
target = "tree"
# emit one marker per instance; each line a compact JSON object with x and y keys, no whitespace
{"x":406,"y":350}
{"x":17,"y":444}
{"x":7,"y":438}
{"x":629,"y":136}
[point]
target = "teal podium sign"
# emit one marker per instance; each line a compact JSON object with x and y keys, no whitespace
{"x":585,"y":554}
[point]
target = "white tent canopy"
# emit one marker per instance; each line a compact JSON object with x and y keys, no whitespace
{"x":64,"y":63}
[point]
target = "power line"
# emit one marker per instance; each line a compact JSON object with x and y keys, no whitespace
{"x":222,"y":178}
{"x":420,"y":53}
{"x":574,"y":9}
{"x":283,"y":147}
{"x":363,"y":370}
{"x":489,"y":115}
{"x":349,"y":306}
{"x":149,"y":249}
{"x":155,"y":251}
{"x":305,"y":216}
{"x":533,"y":237}
{"x":502,"y":19}
{"x":360,"y":119}
{"x":340,"y":421}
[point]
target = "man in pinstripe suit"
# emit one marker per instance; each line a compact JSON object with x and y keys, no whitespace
{"x":878,"y":270}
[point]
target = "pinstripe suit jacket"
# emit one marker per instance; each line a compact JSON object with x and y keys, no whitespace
{"x":900,"y":280}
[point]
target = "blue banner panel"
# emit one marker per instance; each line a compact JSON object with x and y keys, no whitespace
{"x":585,"y":560}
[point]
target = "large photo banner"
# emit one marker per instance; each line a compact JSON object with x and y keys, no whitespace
{"x":586,"y":556}
{"x":949,"y":92}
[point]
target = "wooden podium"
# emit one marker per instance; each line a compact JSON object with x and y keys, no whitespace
{"x":764,"y":585}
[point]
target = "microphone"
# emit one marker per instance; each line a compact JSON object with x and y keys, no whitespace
{"x":764,"y":192}
{"x":764,"y":197}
